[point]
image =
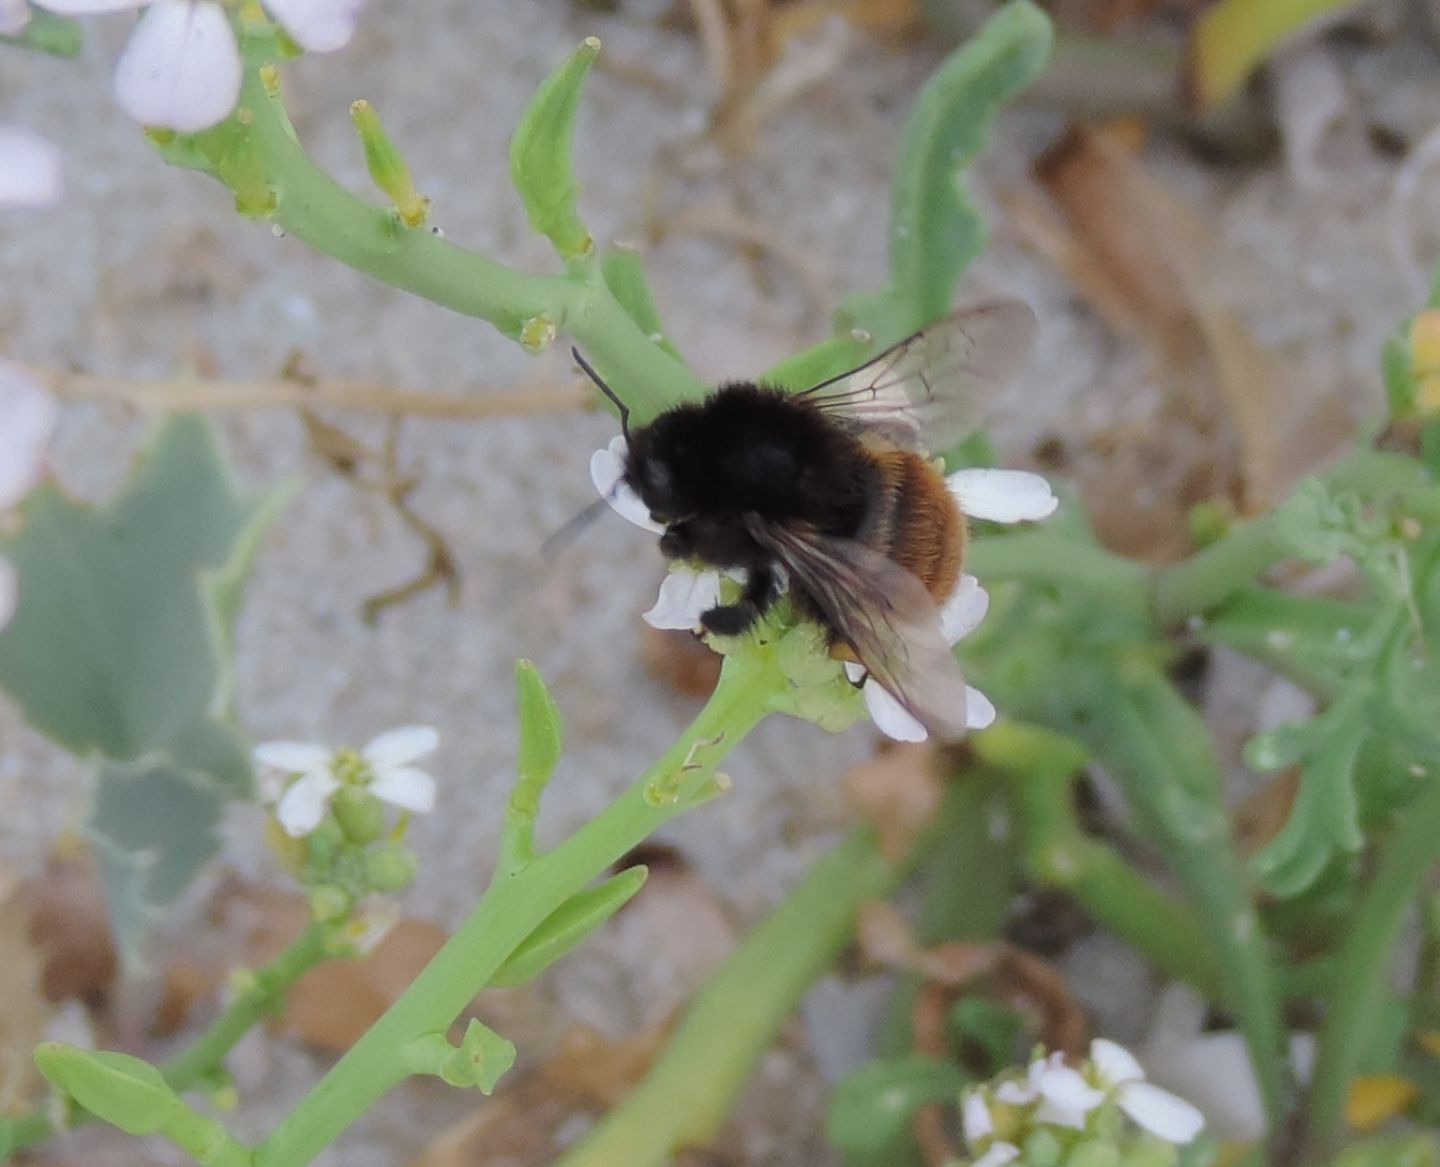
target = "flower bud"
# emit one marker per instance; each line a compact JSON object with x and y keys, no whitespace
{"x":359,"y":814}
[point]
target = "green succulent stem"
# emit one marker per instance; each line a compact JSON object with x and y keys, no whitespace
{"x":1040,"y":769}
{"x":507,"y":914}
{"x":310,"y":205}
{"x":1363,"y":962}
{"x":685,"y":1098}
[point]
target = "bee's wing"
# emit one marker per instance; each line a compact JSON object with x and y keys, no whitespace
{"x":928,"y":391}
{"x":883,"y":612}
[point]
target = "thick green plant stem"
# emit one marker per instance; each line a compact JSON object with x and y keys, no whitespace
{"x":512,"y":906}
{"x":689,"y":1091}
{"x":1363,"y":962}
{"x":1057,"y":853}
{"x":313,"y":207}
{"x":1158,"y":749}
{"x":206,"y":1056}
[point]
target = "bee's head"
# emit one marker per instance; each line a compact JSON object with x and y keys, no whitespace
{"x":652,"y":472}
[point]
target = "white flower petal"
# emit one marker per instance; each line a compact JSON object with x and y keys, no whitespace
{"x":404,"y":786}
{"x":92,"y":7}
{"x":9,"y":591}
{"x":1115,"y":1064}
{"x":322,"y":26}
{"x":998,"y":1155}
{"x":27,"y":419}
{"x":294,"y":757}
{"x":607,"y":472}
{"x":684,"y":595}
{"x":303,"y":805}
{"x":890,"y":717}
{"x":30,"y":174}
{"x":1067,"y":1097}
{"x":181,"y":69}
{"x":975,"y":1118}
{"x":1003,"y":496}
{"x":14,"y":16}
{"x":1015,"y":1094}
{"x":1161,"y":1113}
{"x":979,"y":713}
{"x":396,"y":747}
{"x":964,"y":610}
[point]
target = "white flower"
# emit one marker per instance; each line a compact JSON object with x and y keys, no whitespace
{"x":607,"y":472}
{"x":998,"y":1155}
{"x":1163,"y":1114}
{"x":30,"y":174}
{"x":975,"y":1117}
{"x":181,"y":69}
{"x":1000,"y":496}
{"x":960,"y":615}
{"x":14,"y":16}
{"x":1065,"y":1097}
{"x":309,"y":775}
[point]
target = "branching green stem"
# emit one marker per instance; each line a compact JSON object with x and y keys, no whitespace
{"x":1158,"y":749}
{"x":206,"y":1056}
{"x":313,"y":207}
{"x":1363,"y":961}
{"x":1057,"y":853}
{"x":512,"y":906}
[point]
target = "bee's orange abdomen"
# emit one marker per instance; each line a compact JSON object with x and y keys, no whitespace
{"x":918,"y":523}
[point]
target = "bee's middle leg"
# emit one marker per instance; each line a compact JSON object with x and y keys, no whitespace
{"x":761,"y":588}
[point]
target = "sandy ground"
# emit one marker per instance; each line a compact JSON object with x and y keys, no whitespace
{"x":144,"y":269}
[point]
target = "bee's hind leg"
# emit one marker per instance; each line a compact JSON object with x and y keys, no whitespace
{"x":761,"y":588}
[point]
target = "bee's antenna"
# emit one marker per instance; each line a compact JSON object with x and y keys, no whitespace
{"x":605,"y":389}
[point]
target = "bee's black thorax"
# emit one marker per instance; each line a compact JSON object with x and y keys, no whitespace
{"x":748,"y":450}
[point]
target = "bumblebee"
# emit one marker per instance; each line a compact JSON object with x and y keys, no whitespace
{"x":832,"y":493}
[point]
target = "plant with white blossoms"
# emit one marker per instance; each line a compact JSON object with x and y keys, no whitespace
{"x":1057,"y":1113}
{"x":28,"y":414}
{"x":181,"y":68}
{"x":301,"y":780}
{"x":1000,"y":496}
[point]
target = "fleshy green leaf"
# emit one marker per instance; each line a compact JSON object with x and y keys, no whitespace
{"x":123,"y":1090}
{"x":153,"y":823}
{"x":567,"y":926}
{"x":133,"y":1095}
{"x":540,"y":156}
{"x":121,"y":640}
{"x":869,"y":1119}
{"x":542,"y":735}
{"x":624,"y":275}
{"x":1325,"y":818}
{"x":480,"y":1060}
{"x":935,"y":230}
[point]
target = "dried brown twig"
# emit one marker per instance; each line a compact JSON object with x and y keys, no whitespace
{"x":202,"y":393}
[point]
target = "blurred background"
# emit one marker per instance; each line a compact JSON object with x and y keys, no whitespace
{"x":1214,"y":275}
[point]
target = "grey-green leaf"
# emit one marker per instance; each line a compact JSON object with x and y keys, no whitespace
{"x":121,"y":642}
{"x":935,"y":230}
{"x":153,"y":824}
